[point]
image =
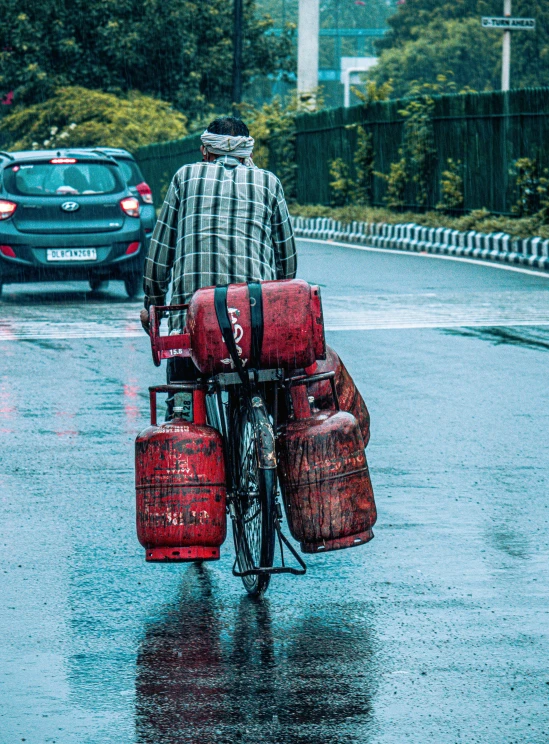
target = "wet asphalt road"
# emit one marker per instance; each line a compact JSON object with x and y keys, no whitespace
{"x":436,"y":631}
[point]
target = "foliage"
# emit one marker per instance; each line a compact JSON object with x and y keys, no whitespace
{"x":418,"y":147}
{"x":532,"y":186}
{"x":343,"y":185}
{"x":417,"y":155}
{"x":480,"y":220}
{"x":373,"y":92}
{"x":451,"y":186}
{"x":431,"y":37}
{"x":345,"y":188}
{"x":273,"y":128}
{"x":76,"y":117}
{"x":396,"y":179}
{"x":364,"y":166}
{"x":178,"y":50}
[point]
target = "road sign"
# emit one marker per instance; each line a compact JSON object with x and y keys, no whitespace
{"x":510,"y":24}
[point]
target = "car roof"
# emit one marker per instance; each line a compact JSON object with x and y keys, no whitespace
{"x":73,"y":152}
{"x":113,"y":152}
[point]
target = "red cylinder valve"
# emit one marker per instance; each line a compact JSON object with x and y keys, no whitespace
{"x":349,"y":395}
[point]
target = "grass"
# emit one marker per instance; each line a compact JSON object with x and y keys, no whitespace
{"x":480,"y":220}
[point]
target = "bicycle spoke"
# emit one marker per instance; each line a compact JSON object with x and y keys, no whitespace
{"x":252,"y":526}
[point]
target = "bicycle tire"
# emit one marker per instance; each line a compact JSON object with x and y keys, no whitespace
{"x":255,"y":490}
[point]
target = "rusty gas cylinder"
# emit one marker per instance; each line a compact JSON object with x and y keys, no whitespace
{"x":292,"y":332}
{"x":180,"y":487}
{"x":324,"y":477}
{"x":349,"y":395}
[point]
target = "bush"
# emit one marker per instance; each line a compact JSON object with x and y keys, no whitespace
{"x":78,"y":117}
{"x":343,"y":187}
{"x":451,"y":186}
{"x":480,"y":219}
{"x":273,"y":128}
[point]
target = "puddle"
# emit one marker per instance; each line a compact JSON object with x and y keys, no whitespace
{"x":529,"y":338}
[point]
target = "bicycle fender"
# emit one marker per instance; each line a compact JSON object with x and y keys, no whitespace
{"x":266,"y":440}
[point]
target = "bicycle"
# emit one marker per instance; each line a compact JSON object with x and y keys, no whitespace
{"x":249,"y":408}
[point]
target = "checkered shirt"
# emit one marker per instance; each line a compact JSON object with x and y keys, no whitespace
{"x":221,"y":223}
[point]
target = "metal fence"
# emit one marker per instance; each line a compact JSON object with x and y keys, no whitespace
{"x":484,"y":133}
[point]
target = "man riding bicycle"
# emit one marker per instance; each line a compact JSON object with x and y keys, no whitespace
{"x":223,"y":221}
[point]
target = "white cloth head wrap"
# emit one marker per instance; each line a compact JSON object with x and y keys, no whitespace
{"x":224,"y":144}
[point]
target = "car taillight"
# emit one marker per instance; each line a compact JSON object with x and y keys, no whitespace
{"x":130,"y":206}
{"x":7,"y":250}
{"x":145,"y":192}
{"x":7,"y":208}
{"x":132,"y":248}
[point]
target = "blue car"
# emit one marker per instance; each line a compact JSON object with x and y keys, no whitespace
{"x":136,"y":183}
{"x":69,"y":215}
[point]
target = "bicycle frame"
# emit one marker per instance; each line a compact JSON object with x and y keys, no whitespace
{"x":266,"y":454}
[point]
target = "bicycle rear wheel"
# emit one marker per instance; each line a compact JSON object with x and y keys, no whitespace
{"x":255,"y":492}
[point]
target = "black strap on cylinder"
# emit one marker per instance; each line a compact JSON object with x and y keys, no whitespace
{"x":256,"y":317}
{"x":226,"y":327}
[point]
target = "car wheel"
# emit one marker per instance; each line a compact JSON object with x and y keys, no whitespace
{"x":132,"y":284}
{"x":98,"y":284}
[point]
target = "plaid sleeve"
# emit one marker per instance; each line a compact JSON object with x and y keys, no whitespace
{"x":160,"y":257}
{"x":283,"y":237}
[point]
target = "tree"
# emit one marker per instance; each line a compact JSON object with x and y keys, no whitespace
{"x":77,"y":117}
{"x":432,"y":37}
{"x":178,"y":50}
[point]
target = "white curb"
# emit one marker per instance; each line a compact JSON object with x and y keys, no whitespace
{"x":498,"y":247}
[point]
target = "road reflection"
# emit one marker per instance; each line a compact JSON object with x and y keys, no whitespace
{"x":210,"y":673}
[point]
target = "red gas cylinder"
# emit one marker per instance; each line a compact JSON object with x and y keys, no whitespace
{"x":349,"y":395}
{"x":180,"y":486}
{"x":293,"y":329}
{"x":324,"y":477}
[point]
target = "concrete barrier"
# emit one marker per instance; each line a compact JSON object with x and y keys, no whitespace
{"x":497,"y":247}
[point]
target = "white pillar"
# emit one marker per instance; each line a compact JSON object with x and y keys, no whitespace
{"x":506,"y":51}
{"x":307,"y":51}
{"x":346,"y":88}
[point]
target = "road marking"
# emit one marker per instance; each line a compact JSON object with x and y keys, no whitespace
{"x":359,"y":312}
{"x":397,"y":325}
{"x":443,"y":309}
{"x":71,"y":321}
{"x":476,"y":262}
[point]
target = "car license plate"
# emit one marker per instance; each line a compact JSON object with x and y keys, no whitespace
{"x":71,"y":254}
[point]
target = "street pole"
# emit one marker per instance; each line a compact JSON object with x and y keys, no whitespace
{"x":237,"y":54}
{"x":307,"y":52}
{"x":505,"y":83}
{"x":338,"y":38}
{"x":506,"y":51}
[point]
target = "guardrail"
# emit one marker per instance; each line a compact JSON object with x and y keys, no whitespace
{"x":498,"y":247}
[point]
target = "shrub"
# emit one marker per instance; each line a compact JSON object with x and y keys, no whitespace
{"x":532,"y":187}
{"x":273,"y":128}
{"x":343,"y":186}
{"x":78,"y":117}
{"x":396,"y":179}
{"x":480,"y":219}
{"x":451,"y":186}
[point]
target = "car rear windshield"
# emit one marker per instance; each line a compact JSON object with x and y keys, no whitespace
{"x":130,"y":171}
{"x":62,"y":179}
